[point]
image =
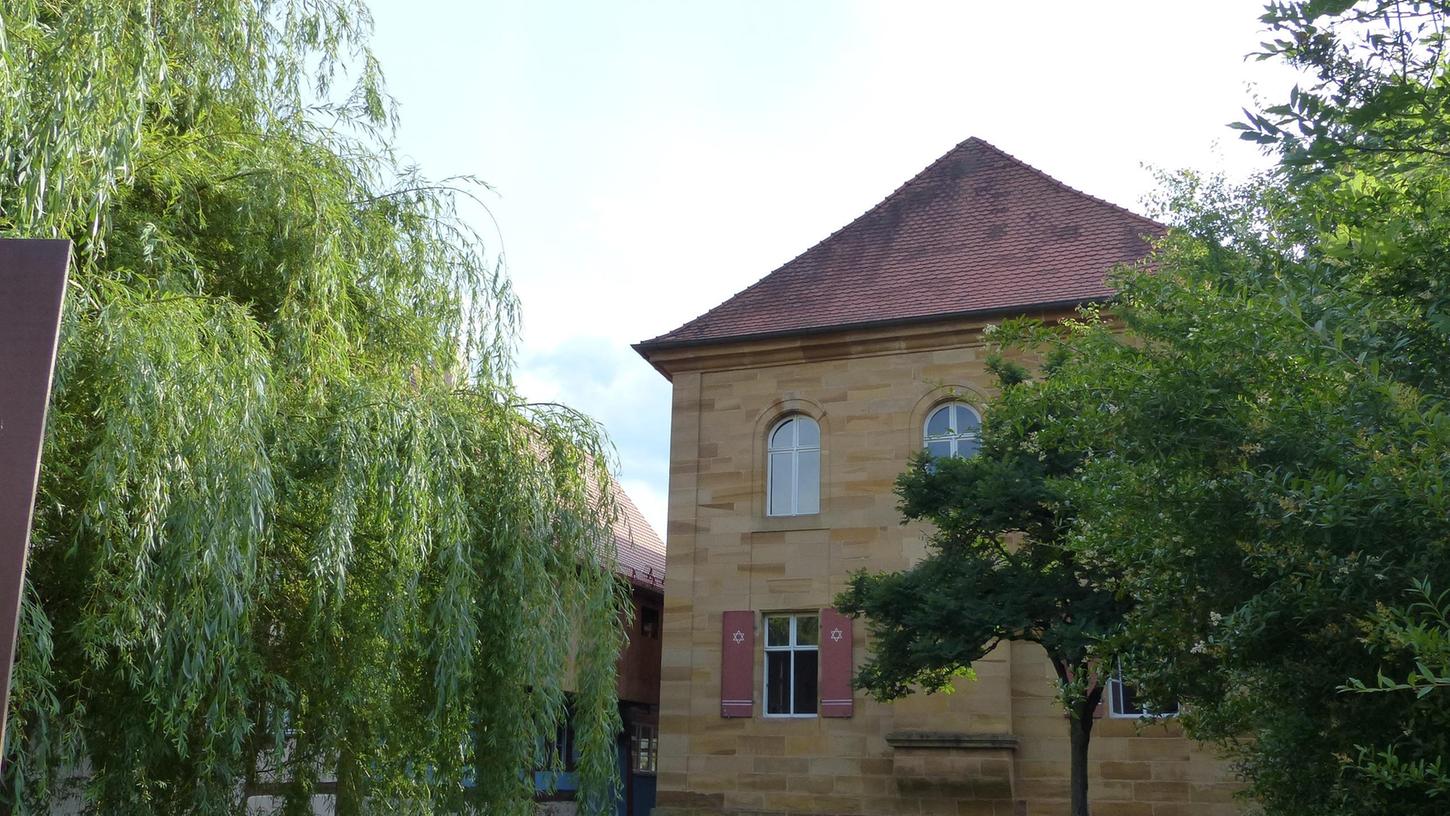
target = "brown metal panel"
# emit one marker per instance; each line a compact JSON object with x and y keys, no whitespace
{"x":32,"y":283}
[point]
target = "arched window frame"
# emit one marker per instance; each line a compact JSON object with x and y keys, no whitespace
{"x":955,"y":436}
{"x":796,"y":453}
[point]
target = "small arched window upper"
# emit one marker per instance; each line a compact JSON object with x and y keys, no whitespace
{"x":793,"y":471}
{"x":953,"y":429}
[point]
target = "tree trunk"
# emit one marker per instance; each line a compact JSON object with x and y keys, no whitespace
{"x":1082,"y":731}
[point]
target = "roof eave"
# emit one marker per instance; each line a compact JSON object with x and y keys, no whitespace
{"x":646,"y":347}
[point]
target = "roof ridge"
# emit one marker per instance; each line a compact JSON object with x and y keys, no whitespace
{"x":808,"y":250}
{"x":1055,"y":181}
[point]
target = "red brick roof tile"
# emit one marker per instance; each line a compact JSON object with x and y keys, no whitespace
{"x":978,"y":231}
{"x":639,"y":552}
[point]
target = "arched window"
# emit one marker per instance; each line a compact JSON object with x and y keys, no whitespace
{"x":953,"y":429}
{"x":793,"y":475}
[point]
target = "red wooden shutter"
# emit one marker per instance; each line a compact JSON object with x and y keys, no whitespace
{"x":836,"y":666}
{"x":737,"y":664}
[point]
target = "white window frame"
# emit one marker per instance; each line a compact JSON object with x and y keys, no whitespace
{"x":1115,"y":685}
{"x":792,"y":648}
{"x":956,"y":435}
{"x":796,"y":451}
{"x":644,"y":743}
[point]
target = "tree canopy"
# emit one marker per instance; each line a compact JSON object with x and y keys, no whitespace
{"x":1262,"y":436}
{"x":998,"y":568}
{"x":294,"y":522}
{"x":1265,"y":411}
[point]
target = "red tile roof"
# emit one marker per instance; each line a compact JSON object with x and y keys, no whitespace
{"x":976,"y":232}
{"x":639,"y":552}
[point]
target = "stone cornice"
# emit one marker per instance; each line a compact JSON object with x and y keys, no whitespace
{"x":866,"y":341}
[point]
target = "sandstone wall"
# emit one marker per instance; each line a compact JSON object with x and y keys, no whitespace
{"x":997,"y":746}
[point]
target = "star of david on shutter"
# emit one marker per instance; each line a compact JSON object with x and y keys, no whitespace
{"x":836,"y":665}
{"x":737,"y":664}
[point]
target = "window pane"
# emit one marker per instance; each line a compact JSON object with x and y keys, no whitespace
{"x":1127,"y":701}
{"x":805,"y":681}
{"x":777,"y":631}
{"x":808,"y":434}
{"x":939,"y":422}
{"x":777,"y":682}
{"x":968,"y":447}
{"x":784,"y":436}
{"x":941,"y":448}
{"x":807,"y":630}
{"x":782,"y":479}
{"x":1120,"y":702}
{"x":645,"y":748}
{"x":808,"y":478}
{"x":965,"y":420}
{"x":1130,"y":699}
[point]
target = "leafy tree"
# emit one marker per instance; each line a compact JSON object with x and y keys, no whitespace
{"x":1420,"y":630}
{"x":1259,"y":487}
{"x":1375,"y":82}
{"x":1263,"y":435}
{"x":293,"y":520}
{"x":1272,"y":477}
{"x":998,"y":569}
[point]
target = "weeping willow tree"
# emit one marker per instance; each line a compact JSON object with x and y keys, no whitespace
{"x":296,"y":532}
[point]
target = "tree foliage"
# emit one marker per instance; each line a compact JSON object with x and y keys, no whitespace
{"x":1375,"y":81}
{"x":1260,"y":487}
{"x":998,"y":569}
{"x":1272,"y":478}
{"x":1262,"y":430}
{"x":294,"y":523}
{"x":1418,"y":631}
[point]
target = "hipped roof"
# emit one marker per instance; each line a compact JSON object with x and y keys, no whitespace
{"x":976,"y":232}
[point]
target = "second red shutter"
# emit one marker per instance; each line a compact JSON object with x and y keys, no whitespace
{"x":836,"y":665}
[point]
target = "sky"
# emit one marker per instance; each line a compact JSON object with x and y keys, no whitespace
{"x":650,"y":159}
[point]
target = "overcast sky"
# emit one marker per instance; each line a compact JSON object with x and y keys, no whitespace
{"x":650,"y":159}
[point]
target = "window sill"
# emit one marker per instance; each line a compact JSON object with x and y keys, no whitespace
{"x":790,"y":716}
{"x":951,"y":739}
{"x":777,"y":524}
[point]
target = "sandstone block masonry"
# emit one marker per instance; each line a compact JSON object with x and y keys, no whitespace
{"x":999,"y":745}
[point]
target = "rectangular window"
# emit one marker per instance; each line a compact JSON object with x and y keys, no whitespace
{"x":1123,"y":701}
{"x":644,"y":748}
{"x":649,"y":621}
{"x":792,"y":665}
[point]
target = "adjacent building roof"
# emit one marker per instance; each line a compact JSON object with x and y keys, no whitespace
{"x":639,"y":552}
{"x":976,"y":232}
